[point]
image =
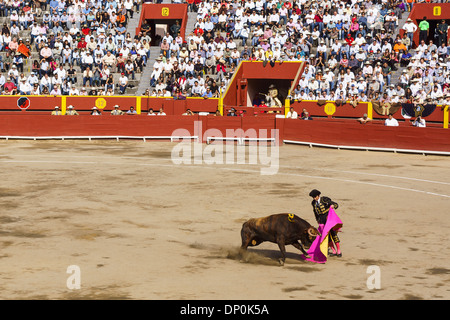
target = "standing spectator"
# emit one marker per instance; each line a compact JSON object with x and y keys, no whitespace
{"x":410,"y":28}
{"x":424,"y":27}
{"x":442,"y":30}
{"x":165,"y":48}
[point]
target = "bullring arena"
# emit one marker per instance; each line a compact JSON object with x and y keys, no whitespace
{"x":139,"y":226}
{"x":98,"y":203}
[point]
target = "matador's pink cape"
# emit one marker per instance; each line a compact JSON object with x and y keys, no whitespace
{"x":318,"y":251}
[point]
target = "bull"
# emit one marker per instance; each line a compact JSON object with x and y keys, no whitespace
{"x":282,"y":229}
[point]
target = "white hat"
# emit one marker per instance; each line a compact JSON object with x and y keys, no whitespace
{"x":70,"y":107}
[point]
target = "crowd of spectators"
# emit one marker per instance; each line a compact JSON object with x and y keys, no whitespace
{"x":56,"y":36}
{"x":351,"y":49}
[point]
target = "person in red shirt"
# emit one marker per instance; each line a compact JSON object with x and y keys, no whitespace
{"x":318,"y":21}
{"x":297,"y":10}
{"x":85,"y":30}
{"x":9,"y":87}
{"x":196,"y":3}
{"x":190,"y":5}
{"x":349,"y":39}
{"x":82,"y":43}
{"x":221,"y":66}
{"x":288,"y":5}
{"x":199,"y":31}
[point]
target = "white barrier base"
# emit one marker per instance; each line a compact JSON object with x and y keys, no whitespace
{"x":171,"y":138}
{"x":395,"y":150}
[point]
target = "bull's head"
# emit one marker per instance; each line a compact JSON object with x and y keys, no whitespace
{"x":312,"y":233}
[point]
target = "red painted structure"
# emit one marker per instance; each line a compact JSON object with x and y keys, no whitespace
{"x":163,"y":14}
{"x":434,"y":12}
{"x":252,"y":77}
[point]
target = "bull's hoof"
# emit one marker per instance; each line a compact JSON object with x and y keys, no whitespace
{"x":281,"y":262}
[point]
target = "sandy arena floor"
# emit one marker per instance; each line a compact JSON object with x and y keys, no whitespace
{"x":140,"y":227}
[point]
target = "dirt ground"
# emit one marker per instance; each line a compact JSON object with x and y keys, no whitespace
{"x":139,"y":226}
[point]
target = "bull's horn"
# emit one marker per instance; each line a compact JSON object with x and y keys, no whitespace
{"x":311,"y":232}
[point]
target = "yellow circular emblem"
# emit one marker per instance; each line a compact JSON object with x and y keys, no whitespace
{"x":329,"y":108}
{"x":100,"y":103}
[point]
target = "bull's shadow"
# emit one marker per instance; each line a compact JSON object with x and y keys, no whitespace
{"x":268,"y":256}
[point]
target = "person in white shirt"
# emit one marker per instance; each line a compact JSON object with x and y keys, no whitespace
{"x":410,"y":28}
{"x":74,"y":91}
{"x":197,"y":90}
{"x":32,"y":79}
{"x":56,"y":91}
{"x":25,"y":87}
{"x":303,"y":82}
{"x":374,"y":46}
{"x":46,"y":81}
{"x":391,"y":121}
{"x":436,"y":93}
{"x":322,"y":48}
{"x":155,"y":76}
{"x":419,"y":122}
{"x":123,"y":82}
{"x":292,"y":114}
{"x":166,"y":93}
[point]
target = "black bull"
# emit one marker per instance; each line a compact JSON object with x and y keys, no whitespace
{"x":282,"y":229}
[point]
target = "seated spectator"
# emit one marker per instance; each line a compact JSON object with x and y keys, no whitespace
{"x":161,"y":112}
{"x":56,"y":112}
{"x":306,"y":116}
{"x":88,"y":76}
{"x":123,"y":83}
{"x":391,"y":121}
{"x":129,"y":69}
{"x":131,"y":111}
{"x":292,"y":114}
{"x":207,"y":93}
{"x":419,"y":122}
{"x":71,"y":111}
{"x":95,"y":112}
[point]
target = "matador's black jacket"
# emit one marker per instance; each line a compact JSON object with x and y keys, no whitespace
{"x":321,"y":208}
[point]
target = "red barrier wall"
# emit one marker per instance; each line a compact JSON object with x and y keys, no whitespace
{"x":332,"y":132}
{"x":87,"y":102}
{"x":85,"y":125}
{"x":348,"y":111}
{"x":107,"y":103}
{"x":347,"y":133}
{"x":260,"y":127}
